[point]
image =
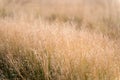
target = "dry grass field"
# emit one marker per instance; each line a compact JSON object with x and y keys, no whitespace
{"x":59,"y":40}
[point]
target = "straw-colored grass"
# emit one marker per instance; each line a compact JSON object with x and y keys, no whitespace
{"x":37,"y":43}
{"x":40,"y":51}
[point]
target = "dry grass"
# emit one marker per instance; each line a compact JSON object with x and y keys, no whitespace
{"x":82,"y":45}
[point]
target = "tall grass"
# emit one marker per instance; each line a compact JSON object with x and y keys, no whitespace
{"x":70,"y":42}
{"x":40,"y":51}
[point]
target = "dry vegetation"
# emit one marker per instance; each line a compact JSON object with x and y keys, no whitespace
{"x":59,"y":40}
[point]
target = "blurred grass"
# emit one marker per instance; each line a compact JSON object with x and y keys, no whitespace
{"x":55,"y":40}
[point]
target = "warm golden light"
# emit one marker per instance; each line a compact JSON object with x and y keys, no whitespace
{"x":59,"y":40}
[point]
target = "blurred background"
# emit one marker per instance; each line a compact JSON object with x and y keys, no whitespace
{"x":99,"y":15}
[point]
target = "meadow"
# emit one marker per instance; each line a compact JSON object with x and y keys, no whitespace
{"x":59,"y":40}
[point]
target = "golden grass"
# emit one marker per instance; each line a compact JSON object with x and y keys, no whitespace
{"x":37,"y":43}
{"x":53,"y":51}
